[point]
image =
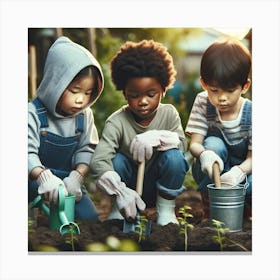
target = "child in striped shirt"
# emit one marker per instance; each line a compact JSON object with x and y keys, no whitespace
{"x":219,"y":126}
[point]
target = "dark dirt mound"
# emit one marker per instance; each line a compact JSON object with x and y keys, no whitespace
{"x":162,"y":238}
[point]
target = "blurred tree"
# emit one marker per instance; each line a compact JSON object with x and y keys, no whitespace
{"x":108,"y":42}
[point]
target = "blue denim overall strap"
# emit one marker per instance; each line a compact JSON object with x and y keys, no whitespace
{"x":238,"y":151}
{"x":55,"y":151}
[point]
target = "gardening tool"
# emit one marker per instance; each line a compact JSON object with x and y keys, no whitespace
{"x":61,"y":215}
{"x":147,"y":224}
{"x":226,"y":201}
{"x":216,"y":175}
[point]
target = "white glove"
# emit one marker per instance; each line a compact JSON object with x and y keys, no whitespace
{"x":48,"y":184}
{"x":74,"y":183}
{"x":126,"y":198}
{"x":142,"y":145}
{"x":207,"y":159}
{"x":233,"y":177}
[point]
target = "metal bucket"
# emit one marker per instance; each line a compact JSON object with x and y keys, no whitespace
{"x":227,"y":205}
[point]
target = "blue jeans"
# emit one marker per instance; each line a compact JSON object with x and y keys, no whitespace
{"x":217,"y":145}
{"x":164,"y":177}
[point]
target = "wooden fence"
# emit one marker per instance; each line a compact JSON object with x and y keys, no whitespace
{"x":32,"y":59}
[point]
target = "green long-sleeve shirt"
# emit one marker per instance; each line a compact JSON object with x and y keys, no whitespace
{"x":120,"y":129}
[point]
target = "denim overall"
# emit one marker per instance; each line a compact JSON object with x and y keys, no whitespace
{"x":55,"y":153}
{"x":231,"y":154}
{"x":165,"y":177}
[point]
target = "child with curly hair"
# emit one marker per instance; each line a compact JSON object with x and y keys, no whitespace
{"x":143,"y":130}
{"x":219,"y":126}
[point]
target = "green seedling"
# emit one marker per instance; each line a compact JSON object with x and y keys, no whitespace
{"x":31,"y":224}
{"x":221,"y":239}
{"x":221,"y":231}
{"x":140,"y":228}
{"x":71,"y":237}
{"x":184,"y":224}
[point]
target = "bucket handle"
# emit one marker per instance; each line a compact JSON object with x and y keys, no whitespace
{"x":217,"y":178}
{"x":246,"y":185}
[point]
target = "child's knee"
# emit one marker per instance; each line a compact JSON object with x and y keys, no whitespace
{"x":121,"y":163}
{"x":217,"y":145}
{"x":173,"y":160}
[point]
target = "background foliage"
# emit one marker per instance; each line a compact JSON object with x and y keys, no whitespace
{"x":107,"y":43}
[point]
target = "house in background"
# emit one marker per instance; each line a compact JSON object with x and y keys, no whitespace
{"x":187,"y":83}
{"x":197,"y":42}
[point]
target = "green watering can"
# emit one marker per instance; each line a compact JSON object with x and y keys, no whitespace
{"x":61,"y":215}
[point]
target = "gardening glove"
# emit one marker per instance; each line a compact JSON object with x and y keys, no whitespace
{"x":207,"y":159}
{"x":142,"y":145}
{"x":127,"y":199}
{"x":233,"y":177}
{"x":74,"y":183}
{"x":48,"y":184}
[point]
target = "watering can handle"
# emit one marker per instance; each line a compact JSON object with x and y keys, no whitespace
{"x":61,"y":198}
{"x":140,"y":177}
{"x":216,"y":175}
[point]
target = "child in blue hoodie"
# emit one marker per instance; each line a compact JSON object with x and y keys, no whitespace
{"x":61,"y":132}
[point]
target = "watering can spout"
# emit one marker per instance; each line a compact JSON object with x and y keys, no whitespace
{"x":38,"y":202}
{"x":69,"y":228}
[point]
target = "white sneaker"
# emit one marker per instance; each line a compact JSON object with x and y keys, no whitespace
{"x":165,"y":211}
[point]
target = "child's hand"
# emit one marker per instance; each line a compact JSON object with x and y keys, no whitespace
{"x":142,"y":145}
{"x":48,"y":184}
{"x":127,"y":199}
{"x":233,"y":177}
{"x":207,"y":159}
{"x":74,"y":183}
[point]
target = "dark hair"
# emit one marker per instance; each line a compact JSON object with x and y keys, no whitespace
{"x":226,"y":64}
{"x":91,"y":71}
{"x":143,"y":59}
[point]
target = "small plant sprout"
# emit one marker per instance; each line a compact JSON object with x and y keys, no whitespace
{"x":183,"y":222}
{"x":71,"y":238}
{"x":140,"y":228}
{"x":221,"y":239}
{"x":31,"y":223}
{"x":221,"y":231}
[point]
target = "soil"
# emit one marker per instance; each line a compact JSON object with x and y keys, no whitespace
{"x":161,"y":238}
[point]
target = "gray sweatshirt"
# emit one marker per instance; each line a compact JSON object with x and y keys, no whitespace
{"x":121,"y":128}
{"x":64,"y":61}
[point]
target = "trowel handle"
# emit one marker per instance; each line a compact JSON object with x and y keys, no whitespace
{"x":216,"y":175}
{"x":140,"y":177}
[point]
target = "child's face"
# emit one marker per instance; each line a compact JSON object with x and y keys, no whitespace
{"x":143,"y":96}
{"x":226,"y":101}
{"x":76,"y":96}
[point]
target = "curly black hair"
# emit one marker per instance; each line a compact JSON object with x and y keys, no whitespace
{"x":143,"y":59}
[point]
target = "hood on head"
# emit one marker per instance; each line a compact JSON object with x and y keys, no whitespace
{"x":64,"y":61}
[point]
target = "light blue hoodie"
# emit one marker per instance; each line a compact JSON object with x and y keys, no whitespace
{"x":64,"y":61}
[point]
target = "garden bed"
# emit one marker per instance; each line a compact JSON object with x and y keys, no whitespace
{"x":108,"y":235}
